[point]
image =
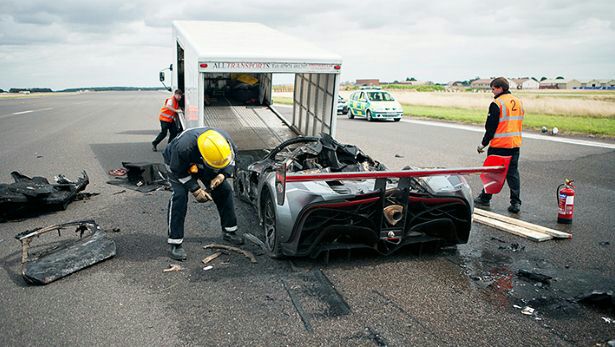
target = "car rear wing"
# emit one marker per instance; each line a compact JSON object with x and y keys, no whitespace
{"x":492,"y":174}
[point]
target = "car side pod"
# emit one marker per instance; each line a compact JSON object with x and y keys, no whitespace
{"x":57,"y":262}
{"x":493,"y":175}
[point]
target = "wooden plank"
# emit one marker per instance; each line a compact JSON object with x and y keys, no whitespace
{"x":555,"y":233}
{"x":513,"y":229}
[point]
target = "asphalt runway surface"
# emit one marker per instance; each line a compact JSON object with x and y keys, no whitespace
{"x":466,"y":295}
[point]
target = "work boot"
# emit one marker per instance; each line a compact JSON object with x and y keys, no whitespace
{"x":154,"y":147}
{"x":177,"y":252}
{"x":233,"y":238}
{"x":514,"y":207}
{"x":480,"y":202}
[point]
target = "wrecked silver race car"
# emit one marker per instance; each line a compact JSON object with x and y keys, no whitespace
{"x":314,"y":194}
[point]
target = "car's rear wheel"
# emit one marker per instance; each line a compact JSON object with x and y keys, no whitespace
{"x":350,"y":115}
{"x":272,"y":239}
{"x":368,"y":115}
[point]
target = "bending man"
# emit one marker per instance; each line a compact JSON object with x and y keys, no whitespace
{"x":206,"y":155}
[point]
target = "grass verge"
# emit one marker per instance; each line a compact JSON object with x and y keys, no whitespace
{"x":565,"y":124}
{"x":282,"y":100}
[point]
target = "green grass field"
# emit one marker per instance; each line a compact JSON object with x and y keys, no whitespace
{"x":566,"y":124}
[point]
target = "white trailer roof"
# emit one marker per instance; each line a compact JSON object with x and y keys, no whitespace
{"x":254,"y":42}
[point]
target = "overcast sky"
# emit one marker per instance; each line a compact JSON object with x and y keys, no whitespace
{"x":79,"y":43}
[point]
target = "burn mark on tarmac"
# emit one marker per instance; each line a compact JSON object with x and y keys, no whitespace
{"x":512,"y":276}
{"x":314,"y":297}
{"x":297,"y":305}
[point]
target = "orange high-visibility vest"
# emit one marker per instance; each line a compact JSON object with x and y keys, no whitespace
{"x":508,"y":133}
{"x":167,"y":115}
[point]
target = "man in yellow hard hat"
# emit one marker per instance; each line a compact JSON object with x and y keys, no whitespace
{"x":206,"y":155}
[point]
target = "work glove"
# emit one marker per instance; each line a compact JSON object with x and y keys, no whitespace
{"x":480,"y":149}
{"x":201,"y":195}
{"x":216,"y":181}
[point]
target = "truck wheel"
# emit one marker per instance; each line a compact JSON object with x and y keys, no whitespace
{"x":368,"y":115}
{"x":272,"y":239}
{"x":350,"y":115}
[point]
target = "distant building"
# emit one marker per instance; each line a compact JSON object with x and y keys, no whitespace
{"x":416,"y":83}
{"x":525,"y":83}
{"x":481,"y":84}
{"x":368,"y":82}
{"x":455,"y":85}
{"x":560,"y":84}
{"x":598,"y":84}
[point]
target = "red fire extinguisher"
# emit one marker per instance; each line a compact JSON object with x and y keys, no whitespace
{"x":565,"y":202}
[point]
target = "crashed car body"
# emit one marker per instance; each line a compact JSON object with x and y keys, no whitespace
{"x":319,"y":211}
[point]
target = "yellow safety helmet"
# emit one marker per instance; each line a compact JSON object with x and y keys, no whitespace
{"x":215,"y":149}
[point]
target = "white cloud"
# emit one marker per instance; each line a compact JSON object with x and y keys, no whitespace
{"x":72,"y":43}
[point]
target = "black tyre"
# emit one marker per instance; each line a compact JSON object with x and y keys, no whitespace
{"x":350,"y":115}
{"x":368,"y":115}
{"x":396,"y":119}
{"x":272,"y":239}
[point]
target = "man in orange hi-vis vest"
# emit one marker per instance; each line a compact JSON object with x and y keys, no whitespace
{"x":503,"y":136}
{"x":168,"y":116}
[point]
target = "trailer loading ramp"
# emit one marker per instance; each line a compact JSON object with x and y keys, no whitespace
{"x":250,"y":127}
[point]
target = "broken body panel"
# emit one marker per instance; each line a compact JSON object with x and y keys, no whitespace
{"x":35,"y":195}
{"x":57,"y":262}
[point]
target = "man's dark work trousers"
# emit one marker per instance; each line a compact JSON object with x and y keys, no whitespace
{"x":164,"y":128}
{"x":178,"y":205}
{"x":512,"y":178}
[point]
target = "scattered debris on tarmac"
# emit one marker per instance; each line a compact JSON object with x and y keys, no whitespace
{"x":142,"y":177}
{"x":604,"y":300}
{"x":173,"y":268}
{"x":247,"y":254}
{"x":534,"y":276}
{"x":211,"y":257}
{"x":33,"y":196}
{"x":63,"y":258}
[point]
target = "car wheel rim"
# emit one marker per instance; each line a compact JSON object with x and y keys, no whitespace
{"x":269,"y":225}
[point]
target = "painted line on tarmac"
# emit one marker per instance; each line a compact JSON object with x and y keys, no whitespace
{"x":525,"y":135}
{"x":26,"y":112}
{"x":482,"y":130}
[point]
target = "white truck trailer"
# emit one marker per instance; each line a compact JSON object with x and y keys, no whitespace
{"x":225,"y":70}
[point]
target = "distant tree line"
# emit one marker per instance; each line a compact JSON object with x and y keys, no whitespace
{"x":30,"y":90}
